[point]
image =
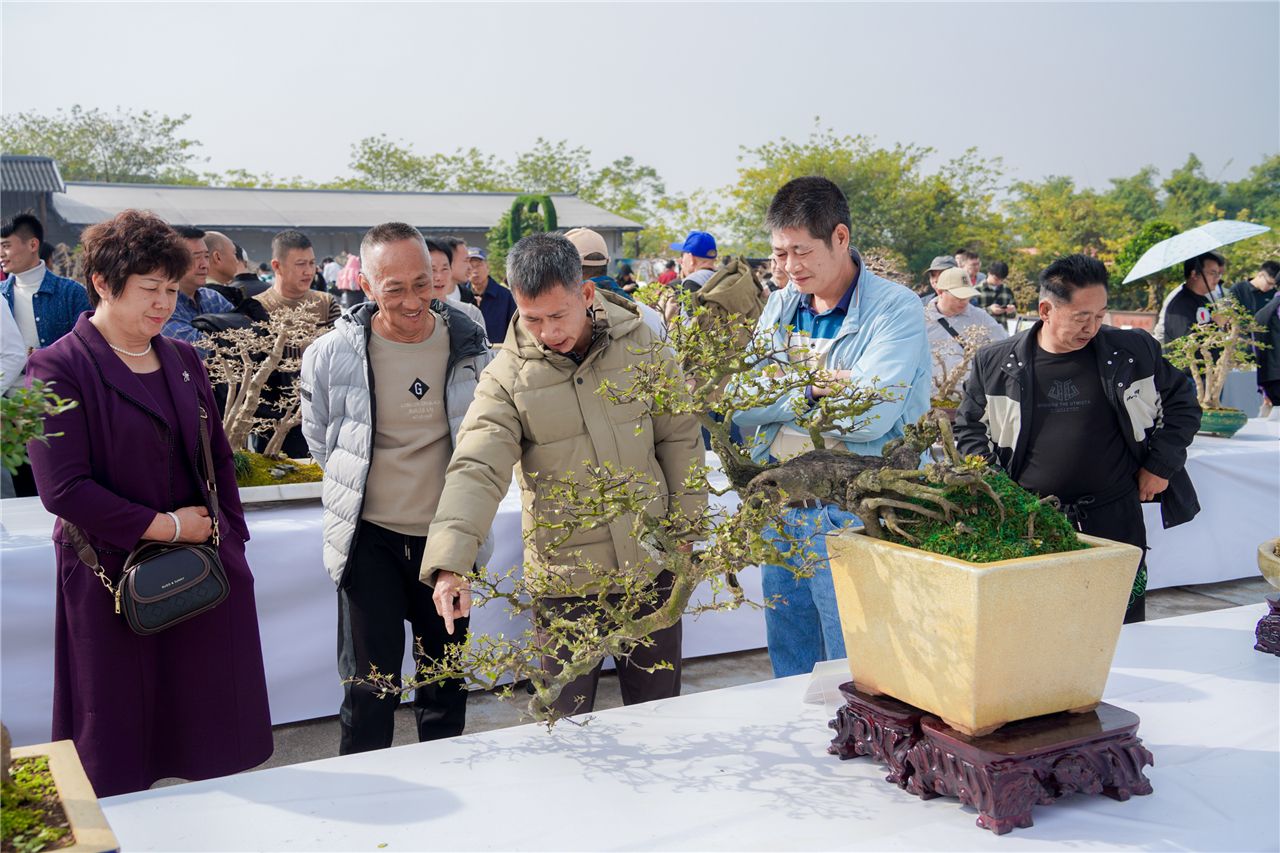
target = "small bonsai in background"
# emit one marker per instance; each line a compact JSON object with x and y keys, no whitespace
{"x":244,"y":360}
{"x":1211,"y":351}
{"x":947,"y":382}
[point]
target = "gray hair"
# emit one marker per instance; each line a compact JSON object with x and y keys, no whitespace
{"x":540,"y":262}
{"x":381,"y":235}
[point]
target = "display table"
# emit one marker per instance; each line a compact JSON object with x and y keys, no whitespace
{"x":747,"y":768}
{"x":1238,"y":482}
{"x":297,"y":611}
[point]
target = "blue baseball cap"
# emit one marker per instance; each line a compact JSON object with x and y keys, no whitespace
{"x":700,"y":244}
{"x":474,"y":252}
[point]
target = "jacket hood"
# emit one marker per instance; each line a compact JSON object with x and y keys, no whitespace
{"x":734,"y":289}
{"x":465,"y":337}
{"x":615,"y":317}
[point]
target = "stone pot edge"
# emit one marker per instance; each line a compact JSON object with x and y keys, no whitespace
{"x":88,"y":824}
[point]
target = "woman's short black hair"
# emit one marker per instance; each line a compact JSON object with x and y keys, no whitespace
{"x":133,"y":242}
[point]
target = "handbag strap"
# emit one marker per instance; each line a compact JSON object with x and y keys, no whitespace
{"x":210,"y":479}
{"x":89,"y":557}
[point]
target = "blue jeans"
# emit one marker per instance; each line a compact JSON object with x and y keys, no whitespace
{"x":803,"y":626}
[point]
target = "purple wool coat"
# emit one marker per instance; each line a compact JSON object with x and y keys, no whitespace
{"x":191,"y":701}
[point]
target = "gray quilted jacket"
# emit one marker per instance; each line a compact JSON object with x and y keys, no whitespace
{"x":338,"y":415}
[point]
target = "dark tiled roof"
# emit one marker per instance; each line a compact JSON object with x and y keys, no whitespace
{"x":20,"y":173}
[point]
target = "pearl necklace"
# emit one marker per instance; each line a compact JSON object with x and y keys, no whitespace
{"x":146,"y":351}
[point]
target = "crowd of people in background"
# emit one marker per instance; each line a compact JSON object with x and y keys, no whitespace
{"x":433,"y":379}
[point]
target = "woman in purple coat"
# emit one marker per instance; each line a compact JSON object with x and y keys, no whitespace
{"x":190,"y":701}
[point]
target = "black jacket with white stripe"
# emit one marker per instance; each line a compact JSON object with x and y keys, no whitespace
{"x":1154,"y":401}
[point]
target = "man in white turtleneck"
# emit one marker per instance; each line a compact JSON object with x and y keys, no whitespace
{"x":45,"y":306}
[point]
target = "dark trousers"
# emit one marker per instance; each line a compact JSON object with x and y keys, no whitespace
{"x":1121,"y":520}
{"x":1272,"y":390}
{"x":381,"y":593}
{"x":637,"y":685}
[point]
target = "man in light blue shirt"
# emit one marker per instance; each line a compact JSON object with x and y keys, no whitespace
{"x":862,"y":329}
{"x":194,"y":298}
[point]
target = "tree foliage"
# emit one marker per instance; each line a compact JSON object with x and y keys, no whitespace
{"x":126,"y":146}
{"x":1154,"y":285}
{"x":894,"y":201}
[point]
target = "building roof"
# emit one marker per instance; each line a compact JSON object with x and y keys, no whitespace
{"x":213,"y":207}
{"x":22,"y":173}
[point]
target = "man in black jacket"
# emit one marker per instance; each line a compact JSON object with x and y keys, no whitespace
{"x":1091,"y":414}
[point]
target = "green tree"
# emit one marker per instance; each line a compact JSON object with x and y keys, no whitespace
{"x":380,"y":163}
{"x":1127,"y":295}
{"x":499,"y":239}
{"x":1137,"y":195}
{"x":1053,"y":218}
{"x":1190,"y":197}
{"x":126,"y":146}
{"x":1256,"y":197}
{"x":893,"y":201}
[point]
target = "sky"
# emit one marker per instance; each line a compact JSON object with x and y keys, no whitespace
{"x":1093,"y":91}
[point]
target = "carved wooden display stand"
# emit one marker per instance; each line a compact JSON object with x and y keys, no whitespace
{"x":1268,"y":630}
{"x":1003,"y":775}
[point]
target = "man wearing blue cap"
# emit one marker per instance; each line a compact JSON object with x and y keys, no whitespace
{"x":697,"y":259}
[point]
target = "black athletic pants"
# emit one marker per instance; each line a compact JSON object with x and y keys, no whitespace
{"x":381,"y":593}
{"x":1120,"y":520}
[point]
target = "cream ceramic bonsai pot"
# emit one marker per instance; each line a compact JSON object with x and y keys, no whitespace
{"x":1269,"y":563}
{"x":982,"y":644}
{"x":88,"y":825}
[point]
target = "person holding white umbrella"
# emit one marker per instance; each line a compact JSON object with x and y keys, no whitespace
{"x":1192,"y":248}
{"x":1193,"y":304}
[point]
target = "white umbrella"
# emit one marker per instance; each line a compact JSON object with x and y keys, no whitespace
{"x":1192,"y":244}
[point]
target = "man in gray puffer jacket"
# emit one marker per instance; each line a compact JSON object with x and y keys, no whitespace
{"x":384,"y":456}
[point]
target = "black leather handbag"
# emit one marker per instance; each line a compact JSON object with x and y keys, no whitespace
{"x":165,"y":583}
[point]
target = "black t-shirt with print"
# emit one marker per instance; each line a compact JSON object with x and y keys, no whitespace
{"x":1075,"y":446}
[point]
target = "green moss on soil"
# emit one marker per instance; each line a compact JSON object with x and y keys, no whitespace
{"x":254,"y":469}
{"x":989,"y":539}
{"x":31,"y":816}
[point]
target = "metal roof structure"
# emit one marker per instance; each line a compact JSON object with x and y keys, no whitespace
{"x":22,"y":173}
{"x":85,"y":203}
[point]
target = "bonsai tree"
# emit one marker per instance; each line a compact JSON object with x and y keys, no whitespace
{"x":954,"y":505}
{"x":245,"y":359}
{"x":1211,"y":351}
{"x":946,"y":382}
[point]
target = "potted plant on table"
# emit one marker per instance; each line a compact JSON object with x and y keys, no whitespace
{"x":1267,"y":632}
{"x":1209,"y":353}
{"x":46,"y":801}
{"x":244,"y":361}
{"x":956,"y":510}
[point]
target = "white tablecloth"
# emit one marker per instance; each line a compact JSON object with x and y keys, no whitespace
{"x":746,"y":769}
{"x":1238,"y":480}
{"x":1238,"y":483}
{"x":297,"y":611}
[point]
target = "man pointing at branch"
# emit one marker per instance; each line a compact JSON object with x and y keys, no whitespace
{"x":537,"y":405}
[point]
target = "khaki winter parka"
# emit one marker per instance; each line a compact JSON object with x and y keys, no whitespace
{"x":536,"y":408}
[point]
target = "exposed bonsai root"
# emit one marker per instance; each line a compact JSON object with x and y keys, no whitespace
{"x":892,"y":524}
